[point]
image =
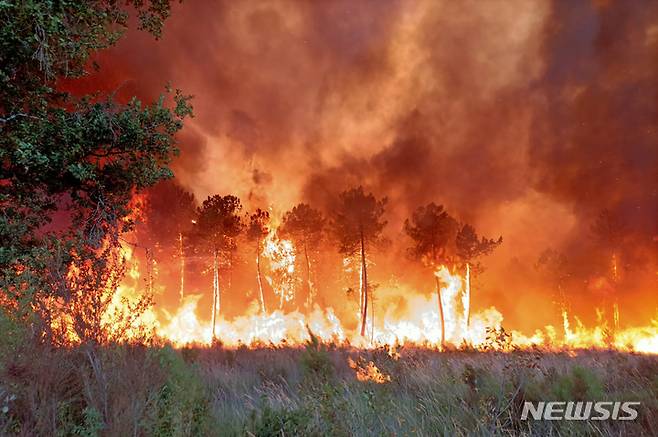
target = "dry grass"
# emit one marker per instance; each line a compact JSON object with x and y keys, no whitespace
{"x":138,"y":390}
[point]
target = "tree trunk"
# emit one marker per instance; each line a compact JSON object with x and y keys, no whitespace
{"x":260,"y":281}
{"x":149,"y":270}
{"x":182,"y":266}
{"x":615,"y":305}
{"x":230,"y":270}
{"x":372,"y":319}
{"x":467,"y":301}
{"x":443,"y":325}
{"x":215,"y":291}
{"x":364,"y":288}
{"x":309,"y":300}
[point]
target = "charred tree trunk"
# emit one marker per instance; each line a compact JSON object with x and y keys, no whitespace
{"x":615,"y":304}
{"x":230,"y":270}
{"x":443,"y":325}
{"x":150,"y":261}
{"x":260,"y":281}
{"x":467,"y":301}
{"x":215,"y":291}
{"x":364,"y":287}
{"x":309,"y":285}
{"x":372,"y":318}
{"x":181,"y":255}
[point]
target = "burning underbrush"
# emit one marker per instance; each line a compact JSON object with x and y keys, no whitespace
{"x":419,"y":325}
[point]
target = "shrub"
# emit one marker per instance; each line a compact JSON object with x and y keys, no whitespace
{"x":182,"y":407}
{"x":580,"y":385}
{"x":271,"y":422}
{"x":315,"y":361}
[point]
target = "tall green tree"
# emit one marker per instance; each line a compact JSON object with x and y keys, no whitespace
{"x":83,"y":154}
{"x":469,"y":247}
{"x":257,"y":231}
{"x":304,"y":226}
{"x":357,"y":223}
{"x":432,"y":231}
{"x":218,"y":225}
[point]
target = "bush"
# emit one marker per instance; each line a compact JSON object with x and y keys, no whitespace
{"x":181,"y":408}
{"x":273,"y":423}
{"x":316,"y":362}
{"x":580,"y":384}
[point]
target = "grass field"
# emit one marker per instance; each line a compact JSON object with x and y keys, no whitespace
{"x":156,"y":390}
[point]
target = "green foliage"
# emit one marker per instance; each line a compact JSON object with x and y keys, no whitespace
{"x":182,"y":405}
{"x":92,"y":425}
{"x":13,"y":334}
{"x":581,"y":384}
{"x":84,"y":154}
{"x":273,"y":423}
{"x":315,"y":361}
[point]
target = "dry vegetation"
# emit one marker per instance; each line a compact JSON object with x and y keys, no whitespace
{"x":156,"y":390}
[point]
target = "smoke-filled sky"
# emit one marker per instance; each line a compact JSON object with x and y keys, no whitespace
{"x":526,"y":118}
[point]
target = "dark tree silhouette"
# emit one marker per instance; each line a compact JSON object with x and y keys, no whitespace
{"x":468,"y":248}
{"x":169,"y":213}
{"x":357,"y":223}
{"x":609,"y":230}
{"x":555,"y":265}
{"x":432,"y":230}
{"x":304,"y":226}
{"x":257,"y":230}
{"x":218,"y":225}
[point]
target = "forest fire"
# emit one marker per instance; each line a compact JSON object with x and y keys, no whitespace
{"x":419,"y":325}
{"x":337,"y":217}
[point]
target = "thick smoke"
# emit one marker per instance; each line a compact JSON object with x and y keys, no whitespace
{"x":524,"y":118}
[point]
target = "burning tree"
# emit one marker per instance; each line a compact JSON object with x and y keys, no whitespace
{"x":555,"y":265}
{"x":217,"y":227}
{"x":169,"y":213}
{"x":432,"y":230}
{"x":90,"y":307}
{"x":468,"y":248}
{"x":609,"y":230}
{"x":257,"y":231}
{"x":304,"y":226}
{"x":357,"y":223}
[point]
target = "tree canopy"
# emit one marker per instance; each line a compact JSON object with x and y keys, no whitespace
{"x":304,"y":225}
{"x":432,"y":231}
{"x":218,"y":223}
{"x":85,"y":155}
{"x":358,"y":218}
{"x":258,"y":226}
{"x":469,"y":246}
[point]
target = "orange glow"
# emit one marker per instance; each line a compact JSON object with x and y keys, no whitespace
{"x":418,"y":324}
{"x":368,"y":371}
